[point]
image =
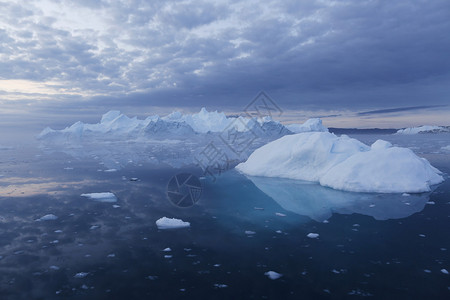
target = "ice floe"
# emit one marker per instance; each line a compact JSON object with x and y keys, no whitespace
{"x":101,"y":197}
{"x":171,"y":223}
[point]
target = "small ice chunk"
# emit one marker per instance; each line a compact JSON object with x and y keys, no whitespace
{"x":58,"y":231}
{"x":406,"y":194}
{"x":444,"y":271}
{"x":168,"y":223}
{"x":258,"y":208}
{"x":81,"y":275}
{"x":93,"y":227}
{"x":326,"y":221}
{"x":422,"y":235}
{"x":216,"y":265}
{"x":427,"y":271}
{"x":152,"y":277}
{"x":116,"y":206}
{"x":431,"y":202}
{"x":167,"y":249}
{"x":312,"y":235}
{"x":84,"y":287}
{"x":280,"y":214}
{"x":220,"y":285}
{"x":111,"y":170}
{"x":54,"y":268}
{"x":279,"y":231}
{"x":167,"y":256}
{"x":249,"y":232}
{"x":273,"y":275}
{"x":134,"y":179}
{"x":111,"y":255}
{"x":49,"y":217}
{"x":101,"y":197}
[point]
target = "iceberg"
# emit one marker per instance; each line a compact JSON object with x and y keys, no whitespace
{"x":114,"y":123}
{"x":176,"y":139}
{"x":314,"y":124}
{"x":343,"y":163}
{"x":424,"y":129}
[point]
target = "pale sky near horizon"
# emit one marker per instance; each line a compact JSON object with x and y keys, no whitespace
{"x":355,"y":63}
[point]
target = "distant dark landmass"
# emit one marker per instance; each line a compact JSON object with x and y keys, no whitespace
{"x":362,"y":131}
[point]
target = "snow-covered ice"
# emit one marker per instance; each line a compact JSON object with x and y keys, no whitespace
{"x":101,"y":197}
{"x":343,"y":163}
{"x":273,"y":275}
{"x":168,"y":223}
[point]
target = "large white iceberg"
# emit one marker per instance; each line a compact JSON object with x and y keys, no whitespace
{"x":424,"y":129}
{"x":343,"y":163}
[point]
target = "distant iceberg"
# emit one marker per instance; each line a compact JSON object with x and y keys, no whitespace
{"x":343,"y":163}
{"x":176,"y":139}
{"x":314,"y":124}
{"x":424,"y":129}
{"x":114,"y":124}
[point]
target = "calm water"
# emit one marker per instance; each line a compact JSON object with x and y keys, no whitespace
{"x":369,"y":245}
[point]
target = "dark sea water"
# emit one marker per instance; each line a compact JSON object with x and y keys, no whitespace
{"x":388,"y":246}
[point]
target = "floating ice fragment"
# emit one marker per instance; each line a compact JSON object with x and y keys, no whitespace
{"x":54,"y":268}
{"x":220,"y":285}
{"x":427,"y":271}
{"x":168,"y":223}
{"x":312,"y":235}
{"x":431,"y":202}
{"x":273,"y":275}
{"x":49,"y":217}
{"x":152,"y":277}
{"x":101,"y":197}
{"x":280,"y":214}
{"x":110,"y":170}
{"x":216,"y":265}
{"x":111,"y":255}
{"x":249,"y":232}
{"x":116,"y":206}
{"x":167,"y":249}
{"x":444,"y":271}
{"x":81,"y":274}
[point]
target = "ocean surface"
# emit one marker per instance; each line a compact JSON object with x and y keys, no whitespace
{"x":381,"y":246}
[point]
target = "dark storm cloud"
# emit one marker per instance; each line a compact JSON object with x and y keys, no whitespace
{"x":333,"y":54}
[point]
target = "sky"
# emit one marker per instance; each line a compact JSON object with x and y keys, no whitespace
{"x":355,"y":63}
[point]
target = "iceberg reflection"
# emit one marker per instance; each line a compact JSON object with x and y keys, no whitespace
{"x":319,"y":203}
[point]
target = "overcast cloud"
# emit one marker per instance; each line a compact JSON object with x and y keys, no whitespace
{"x":316,"y":55}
